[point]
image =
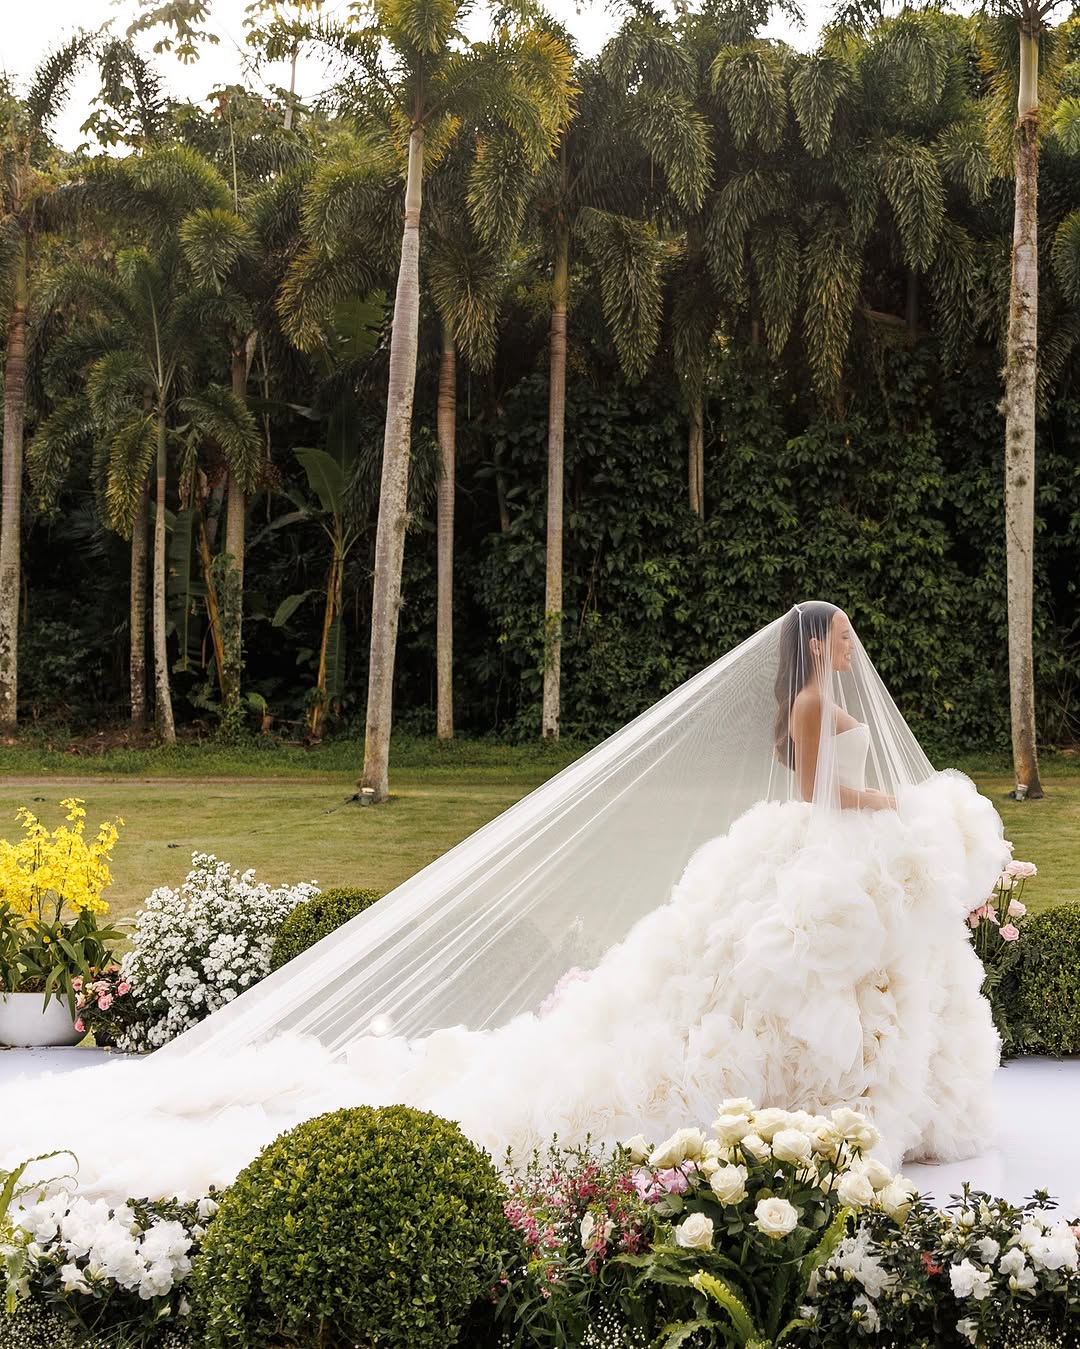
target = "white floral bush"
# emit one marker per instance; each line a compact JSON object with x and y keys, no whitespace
{"x":195,"y":949}
{"x":93,"y":1267}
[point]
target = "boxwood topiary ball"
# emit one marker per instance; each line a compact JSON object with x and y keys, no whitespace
{"x":361,"y":1227}
{"x":1050,"y":979}
{"x":316,"y":918}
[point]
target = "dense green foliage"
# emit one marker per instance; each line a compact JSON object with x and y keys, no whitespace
{"x":1050,"y":980}
{"x":360,"y":1227}
{"x":832,"y":283}
{"x":316,"y":918}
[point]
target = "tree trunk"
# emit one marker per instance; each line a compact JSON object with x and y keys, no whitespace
{"x":137,"y":612}
{"x":163,"y":711}
{"x":697,"y":453}
{"x":394,"y":488}
{"x":11,"y":513}
{"x":331,"y":611}
{"x":444,"y":636}
{"x":553,"y":590}
{"x":1021,"y":370}
{"x":232,"y":580}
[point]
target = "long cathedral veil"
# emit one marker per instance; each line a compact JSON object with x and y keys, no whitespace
{"x":488,"y":930}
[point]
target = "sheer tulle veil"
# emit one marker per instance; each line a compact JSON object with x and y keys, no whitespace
{"x":487,"y":931}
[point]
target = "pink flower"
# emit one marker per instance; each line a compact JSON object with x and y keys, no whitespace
{"x":122,"y":988}
{"x":1016,"y":909}
{"x":80,"y":1027}
{"x":104,"y":1002}
{"x":986,"y":910}
{"x":1009,"y":933}
{"x":76,"y":984}
{"x":1022,"y":870}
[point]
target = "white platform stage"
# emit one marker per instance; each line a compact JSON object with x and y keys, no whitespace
{"x":1037,"y":1146}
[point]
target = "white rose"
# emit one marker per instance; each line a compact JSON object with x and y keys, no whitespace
{"x":877,"y":1173}
{"x":731,"y":1129}
{"x":855,"y":1128}
{"x":637,"y":1147}
{"x":71,"y":1277}
{"x":988,"y":1249}
{"x":756,"y":1147}
{"x":736,"y":1105}
{"x":896,"y":1199}
{"x":775,"y":1217}
{"x":685,"y":1145}
{"x":1055,"y":1250}
{"x":1024,"y":1282}
{"x":729,"y":1184}
{"x":968,"y":1328}
{"x":695,"y":1233}
{"x":854,"y":1190}
{"x":969,"y":1281}
{"x":588,"y":1227}
{"x":768,"y":1122}
{"x":791,"y":1145}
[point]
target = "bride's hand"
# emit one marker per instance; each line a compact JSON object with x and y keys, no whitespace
{"x":874,"y":800}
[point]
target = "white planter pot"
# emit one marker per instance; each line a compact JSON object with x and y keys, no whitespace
{"x":23,"y":1023}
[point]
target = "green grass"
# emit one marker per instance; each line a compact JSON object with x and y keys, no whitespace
{"x":291,"y":819}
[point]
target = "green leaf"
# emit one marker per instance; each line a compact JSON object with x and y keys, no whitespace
{"x":287,"y":608}
{"x":325,"y":478}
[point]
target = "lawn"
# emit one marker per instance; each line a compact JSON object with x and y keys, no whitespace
{"x":304,"y":828}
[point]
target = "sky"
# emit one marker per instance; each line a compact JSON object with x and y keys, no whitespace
{"x":32,"y":28}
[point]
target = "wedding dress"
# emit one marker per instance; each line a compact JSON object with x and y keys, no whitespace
{"x":808,"y":956}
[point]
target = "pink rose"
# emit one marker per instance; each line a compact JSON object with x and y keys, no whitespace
{"x":986,"y":910}
{"x":1022,"y":870}
{"x":76,"y":984}
{"x":80,"y":1027}
{"x":1009,"y":933}
{"x":121,"y":989}
{"x":104,"y":1002}
{"x":1016,"y":909}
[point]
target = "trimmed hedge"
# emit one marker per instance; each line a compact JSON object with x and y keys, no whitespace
{"x":316,"y":918}
{"x":361,"y":1227}
{"x":1050,"y":980}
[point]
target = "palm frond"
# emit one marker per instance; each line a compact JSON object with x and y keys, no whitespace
{"x":774,"y":249}
{"x":500,"y":184}
{"x":911,"y":179}
{"x":214,"y":242}
{"x":130,"y":451}
{"x":963,"y":150}
{"x":466,"y":285}
{"x":49,"y":453}
{"x":53,"y":78}
{"x":1065,"y":256}
{"x":1065,"y":125}
{"x":953,"y":282}
{"x":630,"y":260}
{"x":743,"y":200}
{"x":750,"y":83}
{"x":817,"y":87}
{"x":833,"y":270}
{"x":314,"y":283}
{"x":677,"y":136}
{"x":218,"y":414}
{"x":116,"y":386}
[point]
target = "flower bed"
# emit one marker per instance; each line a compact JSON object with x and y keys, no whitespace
{"x":776,"y":1228}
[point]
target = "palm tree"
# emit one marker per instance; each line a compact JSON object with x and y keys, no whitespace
{"x":414,"y":75}
{"x":141,"y":385}
{"x":1026,"y":22}
{"x":25,"y":186}
{"x":590,"y":193}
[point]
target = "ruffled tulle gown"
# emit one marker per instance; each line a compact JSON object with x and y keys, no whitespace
{"x":806,"y":959}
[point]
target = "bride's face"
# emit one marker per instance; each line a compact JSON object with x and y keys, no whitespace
{"x":841,"y":642}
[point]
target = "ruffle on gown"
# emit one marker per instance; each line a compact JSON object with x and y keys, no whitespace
{"x":804,"y":960}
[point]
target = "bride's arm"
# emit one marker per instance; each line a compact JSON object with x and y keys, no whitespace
{"x":806,"y":737}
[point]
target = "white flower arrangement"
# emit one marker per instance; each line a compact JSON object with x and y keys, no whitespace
{"x":197,"y":948}
{"x":63,"y":1248}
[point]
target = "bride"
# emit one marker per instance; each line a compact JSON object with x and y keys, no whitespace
{"x":555,"y":973}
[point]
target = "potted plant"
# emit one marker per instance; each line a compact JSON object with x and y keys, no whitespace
{"x":51,"y":887}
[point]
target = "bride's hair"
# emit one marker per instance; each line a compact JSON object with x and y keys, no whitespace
{"x":795,"y":665}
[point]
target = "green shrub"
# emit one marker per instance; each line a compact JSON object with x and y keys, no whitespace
{"x":362,"y":1227}
{"x":1050,"y":980}
{"x":315,"y":919}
